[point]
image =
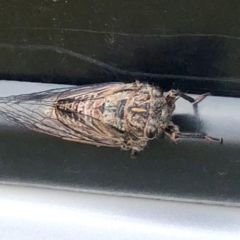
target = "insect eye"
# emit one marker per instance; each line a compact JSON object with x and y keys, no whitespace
{"x":156,"y":92}
{"x":151,"y":132}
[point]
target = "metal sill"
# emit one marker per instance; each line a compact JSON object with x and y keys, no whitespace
{"x":53,"y":189}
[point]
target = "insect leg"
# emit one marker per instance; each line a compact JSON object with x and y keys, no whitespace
{"x":194,"y":101}
{"x":133,"y":153}
{"x":199,"y":136}
{"x":173,"y":132}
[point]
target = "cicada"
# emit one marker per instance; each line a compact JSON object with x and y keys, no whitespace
{"x":112,"y":114}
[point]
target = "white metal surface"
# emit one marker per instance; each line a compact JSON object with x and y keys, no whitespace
{"x":38,"y":213}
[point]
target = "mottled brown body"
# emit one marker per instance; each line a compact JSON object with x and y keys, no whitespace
{"x":113,"y":115}
{"x":128,"y":116}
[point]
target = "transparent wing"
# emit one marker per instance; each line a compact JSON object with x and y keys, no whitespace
{"x":37,"y":111}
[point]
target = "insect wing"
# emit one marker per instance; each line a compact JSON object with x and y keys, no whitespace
{"x":37,"y":112}
{"x":85,"y":128}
